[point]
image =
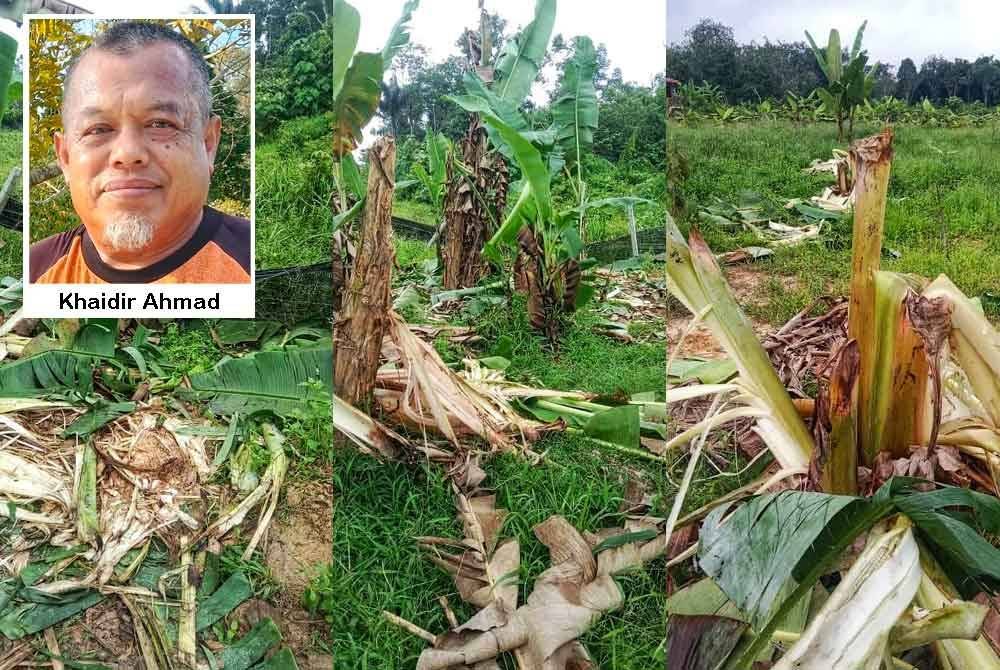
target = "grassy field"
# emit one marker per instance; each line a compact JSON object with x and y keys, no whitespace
{"x":379,"y":508}
{"x":10,"y":241}
{"x":294,"y":184}
{"x":941,"y":216}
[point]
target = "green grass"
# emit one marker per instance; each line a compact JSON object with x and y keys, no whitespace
{"x":941,"y":214}
{"x":293,"y":204}
{"x":10,"y":241}
{"x":381,"y":507}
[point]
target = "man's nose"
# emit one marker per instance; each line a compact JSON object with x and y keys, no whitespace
{"x":129,"y":148}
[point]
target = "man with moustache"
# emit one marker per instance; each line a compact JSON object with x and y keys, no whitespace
{"x":137,"y":150}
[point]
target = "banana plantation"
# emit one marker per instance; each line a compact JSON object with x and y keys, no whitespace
{"x":857,"y":373}
{"x":499,"y":372}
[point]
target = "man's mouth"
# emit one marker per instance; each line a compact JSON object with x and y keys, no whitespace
{"x":129,"y":188}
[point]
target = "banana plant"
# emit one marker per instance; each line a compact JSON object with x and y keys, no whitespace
{"x":478,"y":181}
{"x":848,"y":84}
{"x":435,"y":176}
{"x":356,"y":91}
{"x":548,"y":241}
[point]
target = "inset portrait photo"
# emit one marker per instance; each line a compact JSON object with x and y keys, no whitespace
{"x":139,"y":167}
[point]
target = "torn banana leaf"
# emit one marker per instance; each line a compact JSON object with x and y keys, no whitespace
{"x":226,"y":598}
{"x":266,"y":381}
{"x":485,"y":569}
{"x":694,"y":277}
{"x":47,"y":373}
{"x":566,"y":601}
{"x":251,"y":647}
{"x":29,"y":618}
{"x":98,"y":415}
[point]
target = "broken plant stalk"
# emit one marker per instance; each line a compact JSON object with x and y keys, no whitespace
{"x":364,"y":316}
{"x":870,"y":161}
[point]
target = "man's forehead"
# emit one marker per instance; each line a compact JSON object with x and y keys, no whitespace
{"x":160,"y":66}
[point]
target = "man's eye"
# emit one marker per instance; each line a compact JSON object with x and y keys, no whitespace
{"x":162,"y":124}
{"x":97,"y":130}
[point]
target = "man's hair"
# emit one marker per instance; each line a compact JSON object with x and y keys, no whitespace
{"x":125,"y":37}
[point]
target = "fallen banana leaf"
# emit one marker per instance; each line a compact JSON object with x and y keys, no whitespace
{"x":48,"y":373}
{"x":242,"y":331}
{"x":251,"y":647}
{"x":701,"y":642}
{"x":29,"y":618}
{"x":95,"y":417}
{"x":226,"y":598}
{"x":282,"y":660}
{"x":271,"y":381}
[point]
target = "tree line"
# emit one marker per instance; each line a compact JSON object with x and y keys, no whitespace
{"x":414,"y":98}
{"x":757,"y":71}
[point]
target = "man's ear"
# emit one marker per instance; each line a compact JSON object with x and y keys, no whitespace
{"x":62,"y":152}
{"x":213,"y":132}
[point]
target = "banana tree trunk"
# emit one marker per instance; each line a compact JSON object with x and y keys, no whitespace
{"x":473,"y":203}
{"x":551,"y":289}
{"x":364,"y":316}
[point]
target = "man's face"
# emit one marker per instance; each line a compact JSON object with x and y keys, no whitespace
{"x":136,"y":151}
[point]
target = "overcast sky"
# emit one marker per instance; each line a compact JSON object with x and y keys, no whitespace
{"x":896,"y":30}
{"x":633,"y":30}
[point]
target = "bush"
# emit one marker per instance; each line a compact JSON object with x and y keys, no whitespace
{"x":12,"y":116}
{"x":292,"y":135}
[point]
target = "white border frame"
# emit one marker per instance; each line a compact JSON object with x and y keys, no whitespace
{"x":236,"y":301}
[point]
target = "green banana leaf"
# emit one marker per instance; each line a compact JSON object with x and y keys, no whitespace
{"x":618,"y":425}
{"x":251,"y":647}
{"x":96,"y":336}
{"x":271,"y":380}
{"x":528,"y":157}
{"x":352,"y":177}
{"x":283,"y":660}
{"x":820,"y":56}
{"x":100,"y":414}
{"x":858,"y":36}
{"x":521,"y":58}
{"x":437,"y":146}
{"x":833,"y":57}
{"x":240,"y":331}
{"x":49,"y":372}
{"x":399,"y":36}
{"x":771,"y":551}
{"x":29,"y":618}
{"x":224,"y":600}
{"x":523,"y":213}
{"x":352,"y":213}
{"x":357,"y":102}
{"x":346,"y":26}
{"x":574,"y":112}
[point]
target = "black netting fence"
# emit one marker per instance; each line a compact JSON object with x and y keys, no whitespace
{"x":649,"y":241}
{"x":297,"y":294}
